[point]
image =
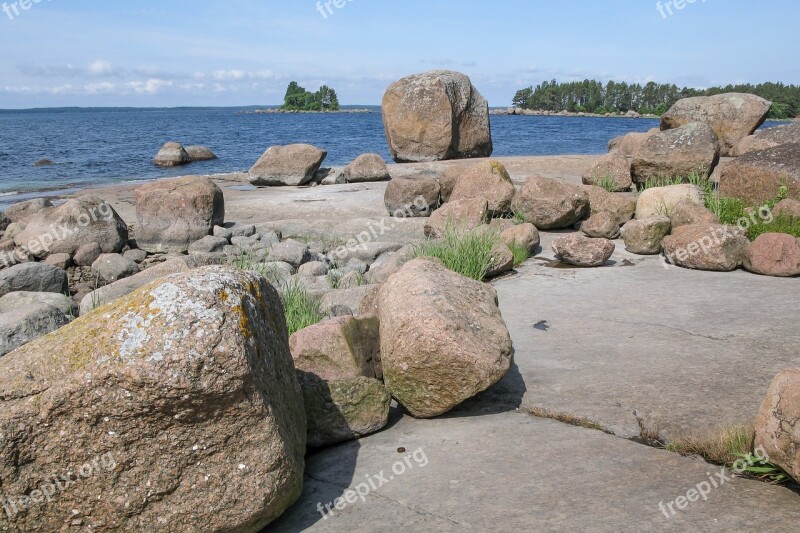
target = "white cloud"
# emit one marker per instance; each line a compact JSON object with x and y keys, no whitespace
{"x":151,"y":86}
{"x":99,"y":68}
{"x":104,"y":87}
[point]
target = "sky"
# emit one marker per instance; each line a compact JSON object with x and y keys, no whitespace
{"x":147,"y":53}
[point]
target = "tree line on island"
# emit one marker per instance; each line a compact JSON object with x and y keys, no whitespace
{"x":591,"y":96}
{"x":299,"y":99}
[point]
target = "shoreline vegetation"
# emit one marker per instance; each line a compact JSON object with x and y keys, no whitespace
{"x":615,"y":98}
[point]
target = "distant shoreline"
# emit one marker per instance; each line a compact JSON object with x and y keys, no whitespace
{"x":299,"y":112}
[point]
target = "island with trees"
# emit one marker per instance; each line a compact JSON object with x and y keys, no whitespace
{"x":299,"y":99}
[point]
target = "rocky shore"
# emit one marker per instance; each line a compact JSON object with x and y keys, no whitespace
{"x":365,"y":344}
{"x":542,"y":113}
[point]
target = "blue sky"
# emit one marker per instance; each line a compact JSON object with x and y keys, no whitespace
{"x":245,"y":52}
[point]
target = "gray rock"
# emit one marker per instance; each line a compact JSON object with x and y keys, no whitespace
{"x":87,"y":254}
{"x":313,"y":268}
{"x":578,"y":250}
{"x":135,"y":255}
{"x":199,"y":153}
{"x":24,"y":324}
{"x":172,"y":154}
{"x":295,"y":164}
{"x":22,"y":211}
{"x":366,"y":167}
{"x":603,"y":225}
{"x":62,"y":261}
{"x":114,"y":267}
{"x":34,"y":277}
{"x":21,"y":299}
{"x":366,"y":252}
{"x":343,"y":302}
{"x":292,"y":252}
{"x":207,"y":245}
{"x":643,"y":236}
{"x":412,"y":197}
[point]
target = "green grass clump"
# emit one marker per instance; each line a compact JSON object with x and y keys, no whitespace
{"x":467,"y":253}
{"x":300,"y":308}
{"x":699,"y":178}
{"x":334,"y":278}
{"x":607,"y":182}
{"x":780,"y":224}
{"x":520,"y":253}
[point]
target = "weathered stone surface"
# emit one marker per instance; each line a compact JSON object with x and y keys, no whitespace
{"x":313,"y":268}
{"x":758,"y":176}
{"x":630,"y":143}
{"x":294,"y":164}
{"x":579,"y":250}
{"x":502,"y":260}
{"x":172,"y":154}
{"x":436,"y":115}
{"x":448,"y":179}
{"x":774,"y":254}
{"x":768,"y":138}
{"x":551,"y":204}
{"x":706,"y":247}
{"x":689,"y":149}
{"x":186,"y":383}
{"x":293,"y":252}
{"x":136,"y":255}
{"x":489,"y":181}
{"x":732,"y":116}
{"x":613,"y":168}
{"x":776,"y":426}
{"x":662,"y":200}
{"x":172,"y":214}
{"x":62,"y":261}
{"x":343,"y":302}
{"x":366,"y":167}
{"x":643,"y":236}
{"x":343,"y":409}
{"x":64,"y":229}
{"x":339,"y":348}
{"x":118,"y":289}
{"x":22,"y":211}
{"x":787,"y":208}
{"x":21,"y":299}
{"x":603,"y":225}
{"x":389,"y":263}
{"x":33,"y":277}
{"x":366,"y":252}
{"x":199,"y":153}
{"x":459,"y":215}
{"x":21,"y":325}
{"x":113,"y":267}
{"x":622,"y":206}
{"x":525,"y":235}
{"x":442,"y":338}
{"x":412,"y":197}
{"x":87,"y":254}
{"x":687,"y":212}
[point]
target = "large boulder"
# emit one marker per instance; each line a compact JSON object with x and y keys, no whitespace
{"x":757,"y":177}
{"x":177,"y":399}
{"x":774,"y":254}
{"x":488,"y":180}
{"x":459,"y":215}
{"x":643,"y":236}
{"x":714,"y":247}
{"x":294,"y":164}
{"x":768,"y":138}
{"x":412,"y":197}
{"x":22,"y":211}
{"x":33,"y":277}
{"x":522,"y":235}
{"x":621,"y":206}
{"x":690,"y":149}
{"x":338,"y":364}
{"x":434,"y":116}
{"x":630,"y":143}
{"x":687,"y":212}
{"x":579,"y":250}
{"x":366,"y":167}
{"x":551,"y":204}
{"x":443,"y":339}
{"x":113,"y":267}
{"x":787,"y":208}
{"x":603,"y":225}
{"x":64,"y":229}
{"x":663,"y":200}
{"x":777,"y":431}
{"x":172,"y":214}
{"x":613,"y":171}
{"x":172,"y":154}
{"x":732,"y":116}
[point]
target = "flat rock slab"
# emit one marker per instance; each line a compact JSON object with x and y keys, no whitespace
{"x":675,"y":349}
{"x":514,"y":472}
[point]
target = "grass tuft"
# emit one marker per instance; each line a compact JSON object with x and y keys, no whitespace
{"x":519,"y":252}
{"x":607,"y":182}
{"x":300,"y":308}
{"x":467,"y":253}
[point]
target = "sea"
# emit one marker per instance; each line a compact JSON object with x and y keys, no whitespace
{"x":93,"y":147}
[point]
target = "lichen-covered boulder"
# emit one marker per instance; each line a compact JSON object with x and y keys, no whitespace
{"x":443,"y":339}
{"x":434,"y":116}
{"x":643,"y":236}
{"x":175,"y":400}
{"x":488,"y":180}
{"x":732,"y":116}
{"x":172,"y":214}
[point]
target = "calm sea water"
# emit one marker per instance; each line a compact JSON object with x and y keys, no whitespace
{"x":93,"y":147}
